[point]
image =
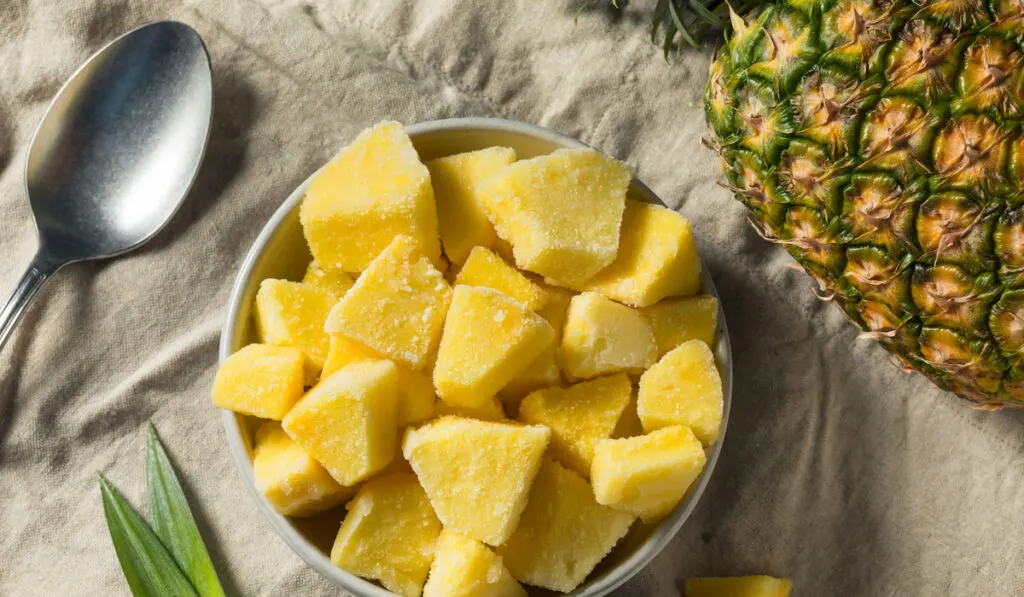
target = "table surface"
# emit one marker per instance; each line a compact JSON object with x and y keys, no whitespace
{"x":837,"y":470}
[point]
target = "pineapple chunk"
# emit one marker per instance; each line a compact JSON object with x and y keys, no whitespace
{"x":683,"y":388}
{"x":477,"y":473}
{"x":347,"y":421}
{"x":389,"y":534}
{"x":490,"y":410}
{"x":260,"y":380}
{"x":464,"y":567}
{"x":292,"y":481}
{"x":657,"y":258}
{"x":563,"y":532}
{"x":647,"y":475}
{"x":484,"y":268}
{"x":602,"y":336}
{"x":629,"y":424}
{"x":415,"y":389}
{"x":579,"y":416}
{"x":488,"y":339}
{"x":561,"y":212}
{"x":738,"y":586}
{"x":675,"y":321}
{"x":373,"y":191}
{"x":543,"y":371}
{"x":336,"y":282}
{"x":460,"y":212}
{"x":397,"y":306}
{"x":293,"y":314}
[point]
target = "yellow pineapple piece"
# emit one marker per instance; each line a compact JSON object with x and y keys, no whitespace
{"x":389,"y":534}
{"x":543,"y":372}
{"x":561,"y":212}
{"x":260,"y":380}
{"x":649,"y":474}
{"x":738,"y":586}
{"x":675,"y":321}
{"x":293,"y":314}
{"x":477,"y":473}
{"x":460,"y":213}
{"x":373,"y":191}
{"x":465,"y":567}
{"x":657,"y":258}
{"x":579,"y":416}
{"x":629,"y":424}
{"x":490,"y":410}
{"x":563,"y":532}
{"x":347,"y":421}
{"x":334,"y":281}
{"x":484,"y":268}
{"x":292,"y":481}
{"x":488,"y":339}
{"x":397,"y":306}
{"x":415,"y":389}
{"x":602,"y":336}
{"x":683,"y":388}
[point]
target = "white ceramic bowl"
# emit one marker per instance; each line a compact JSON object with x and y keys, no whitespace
{"x":280,"y":252}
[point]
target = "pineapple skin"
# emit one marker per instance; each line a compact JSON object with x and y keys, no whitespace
{"x":880,"y":142}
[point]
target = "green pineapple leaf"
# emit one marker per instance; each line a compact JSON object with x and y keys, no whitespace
{"x":173,"y":522}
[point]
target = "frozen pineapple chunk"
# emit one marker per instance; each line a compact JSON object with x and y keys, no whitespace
{"x":602,"y":336}
{"x":347,"y":421}
{"x":397,"y":306}
{"x":647,"y":475}
{"x":675,"y":321}
{"x":415,"y":389}
{"x":657,"y":258}
{"x":484,"y":268}
{"x":683,"y":388}
{"x":579,"y":416}
{"x":488,"y":339}
{"x":374,"y":190}
{"x":389,"y":534}
{"x":260,"y":380}
{"x":465,"y":567}
{"x":461,"y":217}
{"x":561,"y":212}
{"x":477,"y":473}
{"x":293,"y":314}
{"x":543,"y":371}
{"x":292,"y":481}
{"x":563,"y":532}
{"x":490,"y":410}
{"x":336,"y":282}
{"x":738,"y":586}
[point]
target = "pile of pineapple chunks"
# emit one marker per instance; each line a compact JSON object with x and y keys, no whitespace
{"x":498,"y":366}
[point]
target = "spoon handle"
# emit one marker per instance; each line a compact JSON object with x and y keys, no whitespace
{"x":41,"y":268}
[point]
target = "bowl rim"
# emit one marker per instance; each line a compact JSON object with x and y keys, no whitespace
{"x":608,"y":581}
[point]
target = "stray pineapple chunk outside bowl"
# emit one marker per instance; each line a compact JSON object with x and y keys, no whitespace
{"x":280,"y":252}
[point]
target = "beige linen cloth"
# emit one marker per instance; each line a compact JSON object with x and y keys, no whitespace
{"x":837,"y":470}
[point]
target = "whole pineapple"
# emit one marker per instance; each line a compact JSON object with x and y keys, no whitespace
{"x":880,"y":142}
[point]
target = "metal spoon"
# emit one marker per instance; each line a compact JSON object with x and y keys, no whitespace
{"x":116,"y":152}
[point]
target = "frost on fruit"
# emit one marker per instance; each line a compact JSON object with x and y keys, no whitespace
{"x":260,"y":380}
{"x":683,"y":388}
{"x":738,"y":586}
{"x":293,"y":314}
{"x":389,"y":534}
{"x":647,"y":475}
{"x":477,"y":473}
{"x":657,"y":258}
{"x":563,"y":532}
{"x":397,"y":306}
{"x":677,"y":320}
{"x":602,"y":337}
{"x":461,"y":217}
{"x":347,"y":421}
{"x":560,"y":212}
{"x":579,"y":416}
{"x":292,"y":481}
{"x":465,"y":567}
{"x":336,"y":282}
{"x":373,"y":191}
{"x":488,"y":339}
{"x":484,"y":268}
